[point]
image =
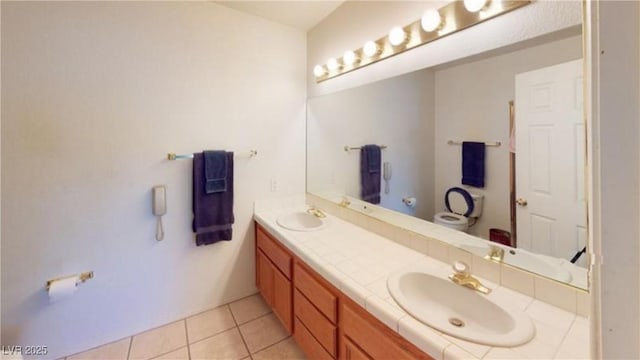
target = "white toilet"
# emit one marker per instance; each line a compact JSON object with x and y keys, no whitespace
{"x":462,"y":205}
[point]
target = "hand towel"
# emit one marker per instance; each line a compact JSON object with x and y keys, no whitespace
{"x":473,"y":163}
{"x":215,"y":171}
{"x":370,"y":163}
{"x":212,"y":213}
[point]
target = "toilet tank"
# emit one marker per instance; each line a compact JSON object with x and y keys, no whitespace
{"x":478,"y":200}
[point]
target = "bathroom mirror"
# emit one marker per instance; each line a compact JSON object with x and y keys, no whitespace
{"x":533,"y":199}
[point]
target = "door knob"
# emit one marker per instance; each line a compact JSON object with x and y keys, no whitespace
{"x":521,"y":202}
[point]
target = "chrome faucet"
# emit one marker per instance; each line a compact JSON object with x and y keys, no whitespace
{"x":313,"y":210}
{"x":496,"y":253}
{"x":462,"y":277}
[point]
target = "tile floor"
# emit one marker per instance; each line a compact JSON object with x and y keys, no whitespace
{"x":244,"y":329}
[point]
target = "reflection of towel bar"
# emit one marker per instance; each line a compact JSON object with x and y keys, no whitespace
{"x":172,"y":156}
{"x":348,"y":148}
{"x":496,"y":144}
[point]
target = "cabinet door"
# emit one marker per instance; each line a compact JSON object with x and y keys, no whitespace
{"x":351,"y":351}
{"x":265,"y":277}
{"x":282,"y":299}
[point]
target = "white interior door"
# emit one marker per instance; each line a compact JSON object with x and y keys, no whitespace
{"x":550,"y":162}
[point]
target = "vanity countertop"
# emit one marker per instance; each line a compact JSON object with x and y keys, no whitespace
{"x":358,"y":263}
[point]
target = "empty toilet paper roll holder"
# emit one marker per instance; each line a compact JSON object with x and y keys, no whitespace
{"x":82,"y":277}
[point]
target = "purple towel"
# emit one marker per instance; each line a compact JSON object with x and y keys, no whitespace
{"x":473,"y":163}
{"x":212,"y":213}
{"x":370,"y":160}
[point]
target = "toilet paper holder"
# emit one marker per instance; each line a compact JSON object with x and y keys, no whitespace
{"x":82,"y":277}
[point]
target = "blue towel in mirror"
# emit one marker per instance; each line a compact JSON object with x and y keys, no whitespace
{"x":215,"y":171}
{"x":370,"y":164}
{"x":473,"y":163}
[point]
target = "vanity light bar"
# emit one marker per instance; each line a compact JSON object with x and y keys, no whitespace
{"x":453,"y":18}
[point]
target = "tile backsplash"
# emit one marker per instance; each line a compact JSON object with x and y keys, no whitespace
{"x":550,"y":291}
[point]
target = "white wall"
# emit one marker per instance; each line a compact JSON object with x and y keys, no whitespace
{"x":619,"y":176}
{"x":355,"y":22}
{"x":93,"y":97}
{"x":396,"y":112}
{"x":472,"y":104}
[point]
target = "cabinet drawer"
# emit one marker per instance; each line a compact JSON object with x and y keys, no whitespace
{"x":351,"y":351}
{"x":367,"y":333}
{"x":308,"y":343}
{"x":321,"y":328}
{"x":318,"y":295}
{"x":274,"y":252}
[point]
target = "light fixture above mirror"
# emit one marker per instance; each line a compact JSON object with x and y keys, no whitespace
{"x":434,"y":24}
{"x":431,"y":21}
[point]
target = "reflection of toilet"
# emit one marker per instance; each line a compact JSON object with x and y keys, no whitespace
{"x":462,"y":205}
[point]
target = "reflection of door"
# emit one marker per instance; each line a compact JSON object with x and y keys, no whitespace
{"x":550,"y":148}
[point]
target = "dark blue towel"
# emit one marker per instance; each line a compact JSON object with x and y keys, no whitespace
{"x":370,"y":161}
{"x":212,"y":213}
{"x":473,"y":163}
{"x":215,"y":171}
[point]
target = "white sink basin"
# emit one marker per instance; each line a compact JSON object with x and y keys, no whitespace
{"x":301,"y":221}
{"x":459,"y":311}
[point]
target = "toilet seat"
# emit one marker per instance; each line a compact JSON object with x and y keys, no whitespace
{"x":458,"y":201}
{"x":448,"y":218}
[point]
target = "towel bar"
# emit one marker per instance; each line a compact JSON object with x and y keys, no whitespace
{"x":173,"y":156}
{"x":348,"y":148}
{"x":495,"y":143}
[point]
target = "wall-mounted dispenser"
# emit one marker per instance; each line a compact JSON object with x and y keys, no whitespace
{"x":159,"y":194}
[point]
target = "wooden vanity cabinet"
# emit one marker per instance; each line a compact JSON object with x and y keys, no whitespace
{"x":273,"y":277}
{"x":325,"y":323}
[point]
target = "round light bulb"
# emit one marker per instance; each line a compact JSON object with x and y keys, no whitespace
{"x":475,"y":5}
{"x":370,"y":48}
{"x":318,"y":70}
{"x":431,"y":20}
{"x":349,"y":58}
{"x":332,"y":64}
{"x":397,"y":36}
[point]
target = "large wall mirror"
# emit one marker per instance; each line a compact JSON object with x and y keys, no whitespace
{"x":524,"y":102}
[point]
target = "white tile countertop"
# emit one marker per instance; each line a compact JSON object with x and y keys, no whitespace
{"x":358,"y":263}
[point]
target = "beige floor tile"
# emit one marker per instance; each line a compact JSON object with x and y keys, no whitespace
{"x":227,"y":345}
{"x":158,"y":341}
{"x":285,"y":350}
{"x":263,"y":332}
{"x":112,"y":351}
{"x":180,"y":354}
{"x":249,"y":308}
{"x":209,"y":323}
